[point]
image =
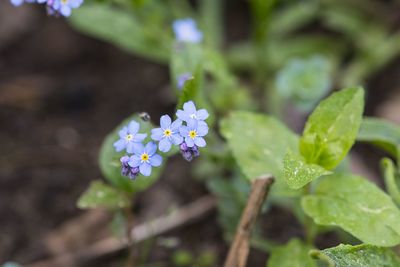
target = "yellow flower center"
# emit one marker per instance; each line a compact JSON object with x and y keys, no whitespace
{"x":167,"y":132}
{"x":192,"y":134}
{"x":144,"y":157}
{"x":129,"y":137}
{"x":64,"y":1}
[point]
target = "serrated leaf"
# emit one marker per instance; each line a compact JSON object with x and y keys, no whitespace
{"x":381,"y":133}
{"x":293,"y":254}
{"x":259,"y":143}
{"x":101,"y":195}
{"x":109,"y":160}
{"x":357,"y":256}
{"x":332,"y":128}
{"x":357,"y":206}
{"x":391,"y":179}
{"x":298,"y":173}
{"x":122,"y":29}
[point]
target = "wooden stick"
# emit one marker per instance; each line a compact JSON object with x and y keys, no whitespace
{"x":237,"y":256}
{"x":163,"y":224}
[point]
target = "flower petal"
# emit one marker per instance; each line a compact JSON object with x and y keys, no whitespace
{"x":189,"y":142}
{"x":177,"y":139}
{"x":157,"y":134}
{"x":134,"y":161}
{"x":175,"y":125}
{"x":182,"y":115}
{"x":164,"y":145}
{"x":139,"y":137}
{"x":145,"y":169}
{"x":202,"y":130}
{"x":202,"y":114}
{"x":192,"y":124}
{"x":189,"y":107}
{"x":200,"y":142}
{"x":165,"y":121}
{"x":133,"y":127}
{"x":137,"y":148}
{"x":123,"y":132}
{"x":155,"y":160}
{"x":151,"y":148}
{"x":119,"y":145}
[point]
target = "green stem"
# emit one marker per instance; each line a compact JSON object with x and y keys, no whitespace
{"x":212,"y":19}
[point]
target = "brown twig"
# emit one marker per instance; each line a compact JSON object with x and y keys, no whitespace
{"x":163,"y":224}
{"x":237,"y":256}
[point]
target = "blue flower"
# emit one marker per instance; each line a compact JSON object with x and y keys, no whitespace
{"x":63,"y":7}
{"x":186,"y":31}
{"x":183,"y":78}
{"x":127,"y":170}
{"x":17,"y":2}
{"x":189,"y":112}
{"x":167,"y":134}
{"x":193,"y":133}
{"x":145,"y":158}
{"x":129,"y":137}
{"x":189,"y":153}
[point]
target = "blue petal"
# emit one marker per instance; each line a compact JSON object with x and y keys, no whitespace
{"x":155,"y":160}
{"x":119,"y":145}
{"x":202,"y":114}
{"x":17,"y":2}
{"x":202,"y":130}
{"x":134,"y":161}
{"x":182,"y":115}
{"x":133,"y":127}
{"x":137,"y":148}
{"x":123,"y":132}
{"x":139,"y":137}
{"x":145,"y":169}
{"x":192,"y":124}
{"x":165,"y":121}
{"x":175,"y":125}
{"x":157,"y":134}
{"x":189,"y":107}
{"x":150,"y":148}
{"x":200,"y":142}
{"x":164,"y":145}
{"x":177,"y":139}
{"x":184,"y":131}
{"x":65,"y":10}
{"x":189,"y":141}
{"x":75,"y":3}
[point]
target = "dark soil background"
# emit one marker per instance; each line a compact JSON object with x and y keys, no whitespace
{"x":60,"y":94}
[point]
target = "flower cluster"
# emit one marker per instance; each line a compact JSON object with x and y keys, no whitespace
{"x":187,"y":132}
{"x":54,"y":7}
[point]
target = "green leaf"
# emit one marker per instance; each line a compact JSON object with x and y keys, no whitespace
{"x":259,"y":143}
{"x":100,"y":195}
{"x":391,"y":179}
{"x":122,"y":29}
{"x":332,"y":128}
{"x":298,"y":173}
{"x":293,"y":254}
{"x":189,"y":91}
{"x":357,"y":256}
{"x":357,"y":206}
{"x":111,"y":167}
{"x":381,"y":133}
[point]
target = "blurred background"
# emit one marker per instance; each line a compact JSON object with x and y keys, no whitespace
{"x":62,"y":92}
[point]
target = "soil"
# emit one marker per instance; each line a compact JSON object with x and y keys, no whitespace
{"x":60,"y":94}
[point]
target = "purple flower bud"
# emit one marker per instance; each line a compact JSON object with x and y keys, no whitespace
{"x":127,"y":170}
{"x":189,"y":153}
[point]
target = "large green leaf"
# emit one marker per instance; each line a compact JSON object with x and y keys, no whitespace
{"x":357,"y":256}
{"x":293,"y":254}
{"x":259,"y":143}
{"x":381,"y":133}
{"x":111,"y":167}
{"x":298,"y":173}
{"x":332,"y":128}
{"x":101,"y":195}
{"x":122,"y":29}
{"x":356,"y":205}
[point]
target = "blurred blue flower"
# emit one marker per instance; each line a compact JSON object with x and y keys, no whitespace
{"x":186,"y":31}
{"x":145,"y":158}
{"x":183,"y":78}
{"x":190,"y":112}
{"x":127,"y":170}
{"x":194,"y":132}
{"x":167,"y":134}
{"x":129,"y":137}
{"x":189,"y":153}
{"x":62,"y":7}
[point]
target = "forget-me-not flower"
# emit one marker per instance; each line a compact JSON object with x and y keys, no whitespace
{"x":129,"y":137}
{"x":145,"y":158}
{"x":127,"y":170}
{"x":186,"y":31}
{"x":167,"y":134}
{"x":63,"y":7}
{"x":190,"y":112}
{"x":193,"y":133}
{"x":183,"y":78}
